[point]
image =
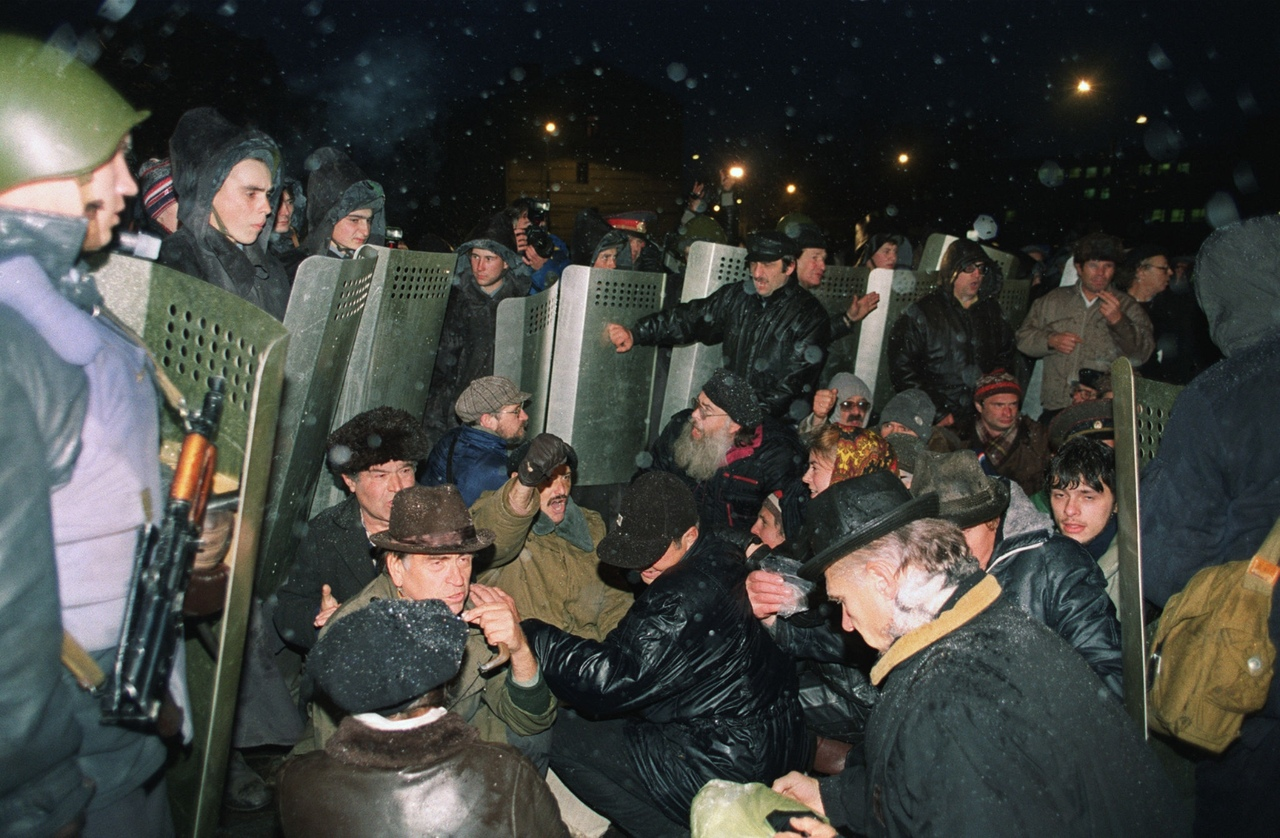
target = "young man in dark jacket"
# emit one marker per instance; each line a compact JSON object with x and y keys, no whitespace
{"x":774,"y":333}
{"x":345,"y":210}
{"x":688,"y":688}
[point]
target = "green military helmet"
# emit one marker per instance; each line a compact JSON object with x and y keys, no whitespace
{"x":58,"y":118}
{"x":791,"y":221}
{"x":703,"y":229}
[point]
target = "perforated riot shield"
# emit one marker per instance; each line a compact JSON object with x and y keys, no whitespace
{"x":555,"y":346}
{"x":196,"y":330}
{"x":839,"y":285}
{"x":324,"y":313}
{"x":897,"y":290}
{"x":710,"y":267}
{"x":1142,"y":409}
{"x":395,"y":347}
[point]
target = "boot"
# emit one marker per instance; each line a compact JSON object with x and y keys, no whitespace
{"x":245,"y":791}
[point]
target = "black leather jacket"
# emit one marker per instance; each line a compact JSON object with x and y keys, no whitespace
{"x":708,"y":693}
{"x":941,"y":347}
{"x":778,"y":343}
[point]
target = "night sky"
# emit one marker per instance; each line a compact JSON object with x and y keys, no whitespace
{"x":997,"y":76}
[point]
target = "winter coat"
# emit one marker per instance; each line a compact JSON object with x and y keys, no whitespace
{"x":1064,"y":310}
{"x":988,"y":725}
{"x":731,"y":498}
{"x":778,"y":343}
{"x":335,"y":551}
{"x":436,"y":778}
{"x":470,"y":458}
{"x":43,"y":400}
{"x":552,"y":572}
{"x":1025,"y":464}
{"x":942,"y":347}
{"x":203,"y":149}
{"x":467,"y":340}
{"x":491,"y":703}
{"x":706,"y":693}
{"x":112,"y":491}
{"x":1056,"y":581}
{"x":335,"y":189}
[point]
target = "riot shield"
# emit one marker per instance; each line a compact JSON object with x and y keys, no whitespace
{"x":324,"y":313}
{"x":897,"y":290}
{"x":1142,"y":409}
{"x":710,"y":266}
{"x":196,"y":330}
{"x":525,"y":331}
{"x":839,"y":285}
{"x":395,"y":347}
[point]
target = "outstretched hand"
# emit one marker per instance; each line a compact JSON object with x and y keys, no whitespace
{"x":620,"y":337}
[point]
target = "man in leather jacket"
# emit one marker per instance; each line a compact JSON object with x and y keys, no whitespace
{"x":63,"y":184}
{"x":774,"y":333}
{"x":688,"y":688}
{"x":943,"y":342}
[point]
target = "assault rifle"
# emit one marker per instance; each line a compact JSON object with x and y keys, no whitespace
{"x":152,"y":626}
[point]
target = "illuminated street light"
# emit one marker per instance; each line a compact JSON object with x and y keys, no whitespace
{"x":791,"y":189}
{"x":904,"y":158}
{"x":1083,"y":86}
{"x":736,"y":172}
{"x":1141,"y":120}
{"x":697,"y":157}
{"x":550,"y":127}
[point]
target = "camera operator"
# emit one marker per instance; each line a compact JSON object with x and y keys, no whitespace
{"x":545,"y":253}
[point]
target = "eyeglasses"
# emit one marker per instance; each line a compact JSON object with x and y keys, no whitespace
{"x":973,"y":266}
{"x":706,"y":411}
{"x":1162,"y":268}
{"x":860,"y":404}
{"x":516,"y":412}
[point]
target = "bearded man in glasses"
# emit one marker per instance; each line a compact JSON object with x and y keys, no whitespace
{"x":946,"y":340}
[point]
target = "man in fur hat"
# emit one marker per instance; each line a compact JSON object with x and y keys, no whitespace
{"x":374,"y":455}
{"x":401,"y":763}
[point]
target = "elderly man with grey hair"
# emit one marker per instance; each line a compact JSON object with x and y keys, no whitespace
{"x":988,"y":724}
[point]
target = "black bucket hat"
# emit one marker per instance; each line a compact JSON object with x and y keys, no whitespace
{"x":967,"y":496}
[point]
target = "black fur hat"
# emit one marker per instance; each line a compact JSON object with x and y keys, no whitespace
{"x":374,"y":437}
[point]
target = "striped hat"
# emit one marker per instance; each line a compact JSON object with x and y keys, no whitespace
{"x":156,"y":180}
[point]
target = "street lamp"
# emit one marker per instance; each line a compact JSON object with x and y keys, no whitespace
{"x":1083,"y":86}
{"x":1142,"y":119}
{"x":549,"y":131}
{"x":550,"y":128}
{"x":791,"y":189}
{"x":736,"y":172}
{"x":904,"y":158}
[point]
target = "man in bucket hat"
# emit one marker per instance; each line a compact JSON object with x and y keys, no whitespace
{"x":987,"y":723}
{"x":1051,"y":576}
{"x":428,"y":548}
{"x":400,"y":763}
{"x":688,"y":688}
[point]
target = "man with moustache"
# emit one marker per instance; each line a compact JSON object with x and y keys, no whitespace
{"x":545,"y":549}
{"x":729,"y":453}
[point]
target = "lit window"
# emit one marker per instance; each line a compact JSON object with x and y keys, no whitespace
{"x":1157,"y":215}
{"x":1144,"y":169}
{"x":1090,"y":193}
{"x":1164,"y":168}
{"x":1075,"y":172}
{"x":1105,"y":194}
{"x":1177,"y":216}
{"x":1184,"y":168}
{"x":1198,"y":214}
{"x":1106,"y":171}
{"x":1092,"y":171}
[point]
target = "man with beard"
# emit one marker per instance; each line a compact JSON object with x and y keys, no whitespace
{"x":473,"y":456}
{"x":729,"y":453}
{"x":545,"y":548}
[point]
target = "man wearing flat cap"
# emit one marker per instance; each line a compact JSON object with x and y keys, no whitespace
{"x":987,"y":723}
{"x":774,"y":333}
{"x":1051,"y":576}
{"x":428,"y":548}
{"x":473,"y":456}
{"x":374,"y":456}
{"x":688,"y":688}
{"x":400,"y":762}
{"x":729,"y":453}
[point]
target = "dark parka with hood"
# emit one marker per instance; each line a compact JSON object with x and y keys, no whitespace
{"x":941,"y":347}
{"x":335,"y":189}
{"x":467,"y":340}
{"x":203,"y":150}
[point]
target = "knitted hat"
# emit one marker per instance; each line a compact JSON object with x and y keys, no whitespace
{"x":656,"y":509}
{"x":911,"y":409}
{"x":848,"y":386}
{"x":387,"y":655}
{"x":432,"y":520}
{"x":993,"y":384}
{"x":854,"y":513}
{"x":770,"y":246}
{"x":488,"y":395}
{"x":155,"y":180}
{"x":1093,"y":418}
{"x":967,"y":496}
{"x":375,"y":437}
{"x":732,"y":394}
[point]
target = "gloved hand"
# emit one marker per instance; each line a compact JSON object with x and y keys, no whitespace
{"x":546,"y":452}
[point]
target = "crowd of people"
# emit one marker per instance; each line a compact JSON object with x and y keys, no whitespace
{"x":890,"y":619}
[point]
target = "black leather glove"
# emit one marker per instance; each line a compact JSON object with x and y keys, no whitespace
{"x":546,"y":452}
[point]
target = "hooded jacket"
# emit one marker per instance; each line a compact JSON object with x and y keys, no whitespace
{"x":335,"y":189}
{"x":706,"y":693}
{"x":467,"y":339}
{"x":942,"y":347}
{"x":203,"y":150}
